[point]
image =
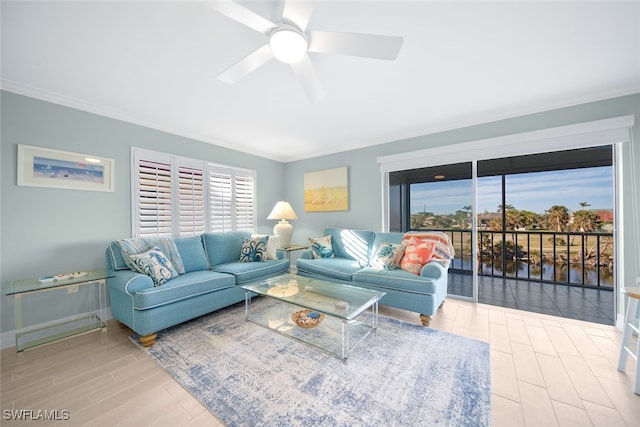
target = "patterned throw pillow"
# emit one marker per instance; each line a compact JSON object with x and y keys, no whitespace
{"x":321,"y":247}
{"x":388,"y":255}
{"x":272,"y":246}
{"x":443,"y":252}
{"x":416,"y":255}
{"x":154,"y":264}
{"x":254,"y":249}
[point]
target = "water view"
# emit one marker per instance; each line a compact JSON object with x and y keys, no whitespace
{"x":555,"y":226}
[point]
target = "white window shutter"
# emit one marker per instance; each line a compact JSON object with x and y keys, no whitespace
{"x":191,"y":201}
{"x":154,"y":204}
{"x":245,"y":203}
{"x":221,"y":199}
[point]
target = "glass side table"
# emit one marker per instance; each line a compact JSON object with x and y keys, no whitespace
{"x":287,"y":250}
{"x":95,"y":318}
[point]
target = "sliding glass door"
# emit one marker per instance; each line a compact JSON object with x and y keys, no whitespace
{"x":517,"y":223}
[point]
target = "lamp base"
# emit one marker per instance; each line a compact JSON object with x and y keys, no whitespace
{"x":283,"y":231}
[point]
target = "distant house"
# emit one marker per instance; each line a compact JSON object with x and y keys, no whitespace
{"x":606,"y":219}
{"x":605,"y":215}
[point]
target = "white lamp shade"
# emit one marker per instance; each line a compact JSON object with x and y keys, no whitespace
{"x":282,"y":210}
{"x":283,"y":230}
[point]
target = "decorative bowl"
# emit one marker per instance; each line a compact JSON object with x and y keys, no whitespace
{"x":307,"y":319}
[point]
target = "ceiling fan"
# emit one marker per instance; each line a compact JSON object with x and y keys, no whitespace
{"x":289,"y":41}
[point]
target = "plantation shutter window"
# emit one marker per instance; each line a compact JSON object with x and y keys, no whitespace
{"x":232,"y":199}
{"x":179,"y":197}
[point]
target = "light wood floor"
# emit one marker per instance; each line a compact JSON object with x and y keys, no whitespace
{"x":545,"y":371}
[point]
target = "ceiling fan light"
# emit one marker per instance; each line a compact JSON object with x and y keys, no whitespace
{"x":288,"y":45}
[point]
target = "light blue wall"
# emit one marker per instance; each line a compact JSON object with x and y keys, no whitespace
{"x":45,"y":231}
{"x":48,"y":230}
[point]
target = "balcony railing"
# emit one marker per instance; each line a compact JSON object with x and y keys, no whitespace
{"x":569,"y":258}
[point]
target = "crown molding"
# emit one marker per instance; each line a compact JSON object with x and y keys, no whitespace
{"x":480,"y":119}
{"x":82,"y":105}
{"x":78,"y":104}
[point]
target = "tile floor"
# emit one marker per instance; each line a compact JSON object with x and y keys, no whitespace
{"x":545,"y":371}
{"x":571,"y":302}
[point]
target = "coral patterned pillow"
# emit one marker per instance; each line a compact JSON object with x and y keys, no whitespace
{"x":443,"y":252}
{"x":416,"y":255}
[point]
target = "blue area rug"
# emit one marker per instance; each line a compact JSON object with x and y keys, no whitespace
{"x":401,"y":375}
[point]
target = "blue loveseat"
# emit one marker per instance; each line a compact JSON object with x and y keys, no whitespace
{"x":353,"y":251}
{"x":211,"y":279}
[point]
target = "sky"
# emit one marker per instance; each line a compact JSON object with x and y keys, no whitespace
{"x":535,"y":192}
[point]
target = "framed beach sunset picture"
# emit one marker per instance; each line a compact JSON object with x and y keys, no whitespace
{"x":45,"y":167}
{"x":326,"y":190}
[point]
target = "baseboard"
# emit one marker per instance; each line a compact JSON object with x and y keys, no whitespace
{"x":8,"y":339}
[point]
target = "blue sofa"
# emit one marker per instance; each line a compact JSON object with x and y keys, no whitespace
{"x":211,"y":279}
{"x":353,"y":251}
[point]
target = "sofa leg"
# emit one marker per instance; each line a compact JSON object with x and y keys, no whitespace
{"x":122,"y":325}
{"x":441,"y":304}
{"x":426,"y":319}
{"x":148,"y":340}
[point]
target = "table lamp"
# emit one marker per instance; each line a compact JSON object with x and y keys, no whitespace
{"x":283,"y":230}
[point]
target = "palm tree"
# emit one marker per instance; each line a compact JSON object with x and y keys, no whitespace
{"x":583,"y":204}
{"x":527,"y":219}
{"x":558,"y":216}
{"x":507,"y":208}
{"x":584,"y":220}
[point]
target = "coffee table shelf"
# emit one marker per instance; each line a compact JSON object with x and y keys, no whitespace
{"x":351,"y":313}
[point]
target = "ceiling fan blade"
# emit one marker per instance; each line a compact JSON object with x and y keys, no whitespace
{"x":355,"y":44}
{"x":298,"y":12}
{"x":242,"y":15}
{"x":246,"y":65}
{"x":306,"y":75}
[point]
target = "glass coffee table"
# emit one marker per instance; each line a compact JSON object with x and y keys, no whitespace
{"x":330,"y":316}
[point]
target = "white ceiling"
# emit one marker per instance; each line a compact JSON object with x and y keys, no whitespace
{"x":155,"y":63}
